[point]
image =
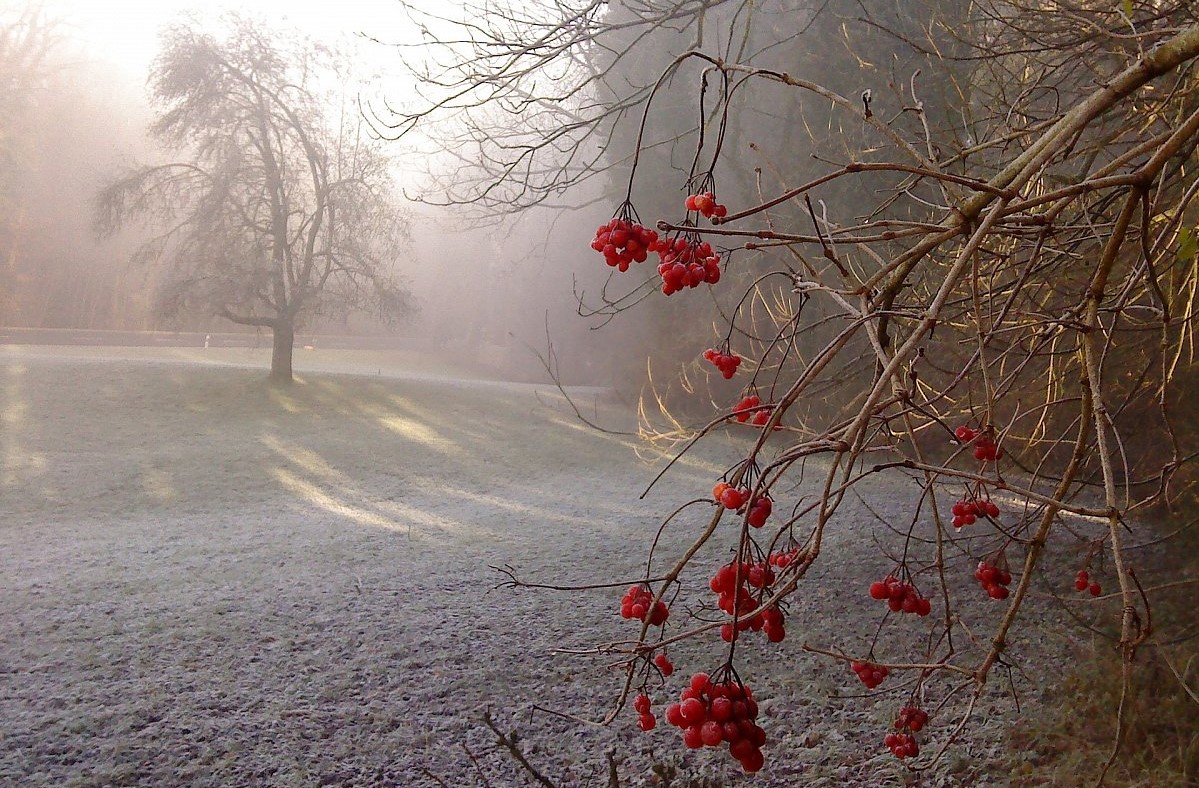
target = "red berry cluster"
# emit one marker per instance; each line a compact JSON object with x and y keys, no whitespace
{"x":622,"y":242}
{"x":735,"y":498}
{"x":762,"y":417}
{"x":638,"y":602}
{"x":712,"y":713}
{"x":743,"y":410}
{"x":687,"y":263}
{"x":994,"y":579}
{"x":728,"y":496}
{"x":770,"y":622}
{"x":965,"y":512}
{"x":985,"y":449}
{"x":903,"y":745}
{"x":870,"y":674}
{"x":705,"y":203}
{"x":737,"y":599}
{"x":783,"y":558}
{"x":1082,"y":582}
{"x":664,"y":664}
{"x":759,"y":510}
{"x":724,"y":582}
{"x":900,"y":596}
{"x":725,"y":362}
{"x":645,"y":718}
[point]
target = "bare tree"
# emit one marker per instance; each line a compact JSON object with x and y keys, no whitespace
{"x":281,"y":204}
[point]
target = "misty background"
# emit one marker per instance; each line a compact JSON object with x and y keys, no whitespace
{"x":76,"y":111}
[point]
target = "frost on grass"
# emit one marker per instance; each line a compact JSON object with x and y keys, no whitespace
{"x":207,"y":582}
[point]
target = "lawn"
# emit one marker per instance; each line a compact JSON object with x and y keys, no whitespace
{"x":206,"y":581}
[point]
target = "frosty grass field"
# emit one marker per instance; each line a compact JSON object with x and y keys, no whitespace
{"x":207,"y":582}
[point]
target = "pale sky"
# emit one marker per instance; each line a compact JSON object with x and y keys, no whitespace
{"x":126,"y":31}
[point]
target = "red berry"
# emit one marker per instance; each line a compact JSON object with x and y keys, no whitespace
{"x":732,"y":498}
{"x":753,"y":761}
{"x":720,"y":710}
{"x":741,"y":747}
{"x":693,"y":711}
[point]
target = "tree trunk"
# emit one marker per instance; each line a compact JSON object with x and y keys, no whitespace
{"x":284,"y":339}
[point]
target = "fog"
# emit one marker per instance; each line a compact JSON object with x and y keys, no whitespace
{"x":502,"y":293}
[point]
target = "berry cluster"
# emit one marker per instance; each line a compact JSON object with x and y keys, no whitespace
{"x":770,"y":622}
{"x":762,"y":417}
{"x":900,"y":596}
{"x":712,"y":713}
{"x":744,"y":410}
{"x":1083,"y":582}
{"x":725,"y":362}
{"x":705,"y":203}
{"x":903,"y":745}
{"x":757,"y":575}
{"x":736,"y":599}
{"x":994,"y":579}
{"x":966,"y":512}
{"x":985,"y":449}
{"x":622,"y":242}
{"x":759,"y":510}
{"x":638,"y":602}
{"x":687,"y":263}
{"x":728,"y":496}
{"x":735,"y":497}
{"x":664,"y":664}
{"x":645,"y":718}
{"x":783,"y":558}
{"x":870,"y":674}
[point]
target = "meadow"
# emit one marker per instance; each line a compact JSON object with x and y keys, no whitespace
{"x":207,"y":581}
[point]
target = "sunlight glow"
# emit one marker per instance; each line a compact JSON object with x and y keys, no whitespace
{"x":13,"y":413}
{"x":126,"y":32}
{"x":314,"y":480}
{"x":421,"y":433}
